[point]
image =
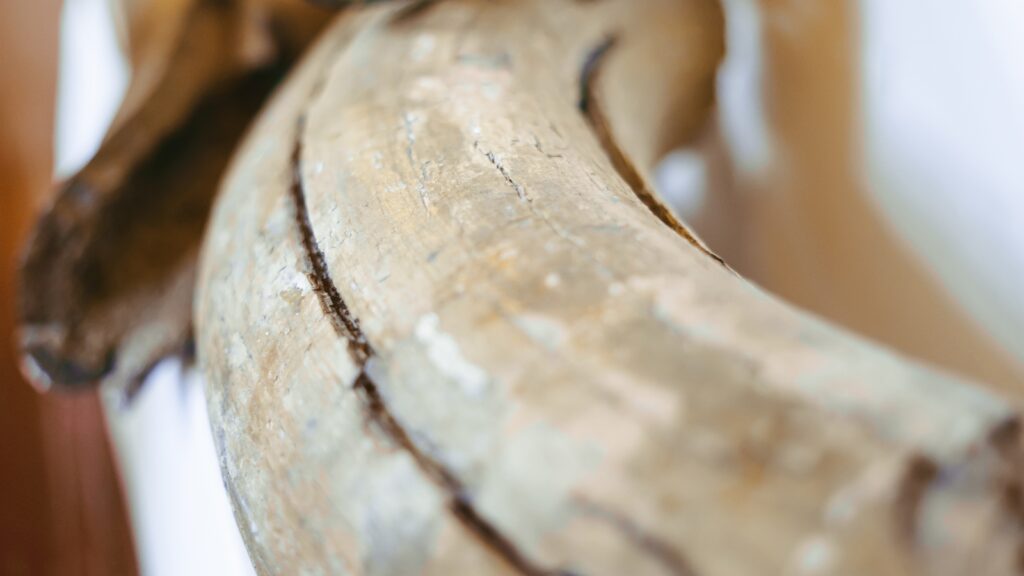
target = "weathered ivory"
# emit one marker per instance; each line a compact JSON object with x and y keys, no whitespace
{"x":449,"y":329}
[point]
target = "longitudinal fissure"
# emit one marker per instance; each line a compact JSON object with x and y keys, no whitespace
{"x":671,"y":559}
{"x":330,"y":299}
{"x":590,"y":106}
{"x":347,"y":326}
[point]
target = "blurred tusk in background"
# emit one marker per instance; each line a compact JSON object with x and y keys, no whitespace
{"x":179,"y":511}
{"x":863,"y":163}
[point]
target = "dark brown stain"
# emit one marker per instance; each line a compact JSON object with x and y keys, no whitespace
{"x":917,"y":477}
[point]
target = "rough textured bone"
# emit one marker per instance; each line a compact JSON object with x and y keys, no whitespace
{"x":444,"y":335}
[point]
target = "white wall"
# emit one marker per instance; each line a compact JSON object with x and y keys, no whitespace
{"x":943,"y":84}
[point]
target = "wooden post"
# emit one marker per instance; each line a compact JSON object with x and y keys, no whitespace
{"x":61,"y":509}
